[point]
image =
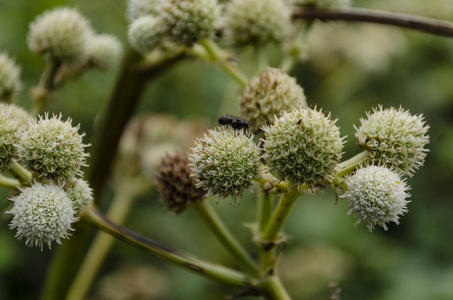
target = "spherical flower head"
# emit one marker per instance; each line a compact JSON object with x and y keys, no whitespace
{"x":187,"y":21}
{"x":146,"y":33}
{"x":53,"y":149}
{"x":10,"y":83}
{"x":141,"y":8}
{"x":326,"y":3}
{"x":257,"y":22}
{"x":224,"y":162}
{"x":376,"y":195}
{"x":80,"y":193}
{"x":12,"y":119}
{"x":268,"y":95}
{"x":61,"y":34}
{"x":395,"y":138}
{"x":303,"y":146}
{"x":176,"y":187}
{"x":104,"y":51}
{"x":43,"y":213}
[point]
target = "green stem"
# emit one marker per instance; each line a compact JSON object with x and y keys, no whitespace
{"x":20,"y":171}
{"x":41,"y":92}
{"x":351,"y":164}
{"x":265,"y":208}
{"x":280,"y":215}
{"x":101,"y":245}
{"x":261,"y":58}
{"x":203,"y":268}
{"x":274,"y":289}
{"x":218,"y":55}
{"x":293,"y":56}
{"x":207,"y":213}
{"x":10,"y":183}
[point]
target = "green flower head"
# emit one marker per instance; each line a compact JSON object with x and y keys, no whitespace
{"x":395,"y":138}
{"x":376,"y":195}
{"x":80,"y":193}
{"x":146,"y":33}
{"x":9,"y":78}
{"x":303,"y":146}
{"x":224,"y":162}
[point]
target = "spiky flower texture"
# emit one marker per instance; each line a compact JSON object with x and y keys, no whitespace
{"x":268,"y":96}
{"x":175,"y":185}
{"x":303,"y":146}
{"x":377,"y":196}
{"x":9,"y":77}
{"x":224,"y":162}
{"x":395,"y":138}
{"x":43,"y":214}
{"x":80,"y":193}
{"x":53,"y":149}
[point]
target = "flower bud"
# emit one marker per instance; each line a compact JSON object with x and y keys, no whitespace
{"x":224,"y":162}
{"x":377,"y":196}
{"x":257,"y":22}
{"x":146,"y":33}
{"x":141,"y":8}
{"x":303,"y":146}
{"x":188,"y":21}
{"x":9,"y":78}
{"x":175,"y":185}
{"x":395,"y":138}
{"x":104,"y":51}
{"x":268,"y":96}
{"x":80,"y":194}
{"x":61,"y":34}
{"x":42,"y":214}
{"x":12,"y":119}
{"x":53,"y":149}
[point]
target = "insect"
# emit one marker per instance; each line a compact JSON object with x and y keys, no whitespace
{"x":235,"y":122}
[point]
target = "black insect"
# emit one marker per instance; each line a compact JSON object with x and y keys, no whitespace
{"x":235,"y":122}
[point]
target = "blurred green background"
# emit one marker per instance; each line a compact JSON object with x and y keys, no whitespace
{"x":350,"y":69}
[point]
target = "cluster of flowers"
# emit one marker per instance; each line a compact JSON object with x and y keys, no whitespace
{"x":303,"y":146}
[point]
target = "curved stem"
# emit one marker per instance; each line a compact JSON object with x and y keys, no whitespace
{"x":207,"y":213}
{"x":218,"y":55}
{"x":41,"y":92}
{"x":9,"y":182}
{"x":118,"y":211}
{"x":418,"y":23}
{"x":274,"y":290}
{"x":203,"y":268}
{"x":20,"y":171}
{"x":351,"y":164}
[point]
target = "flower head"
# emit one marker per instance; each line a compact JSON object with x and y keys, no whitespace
{"x":104,"y":51}
{"x":303,"y":146}
{"x":80,"y":193}
{"x":175,"y":185}
{"x":395,"y":138}
{"x":53,"y":149}
{"x":224,"y":162}
{"x":146,"y":33}
{"x":268,"y":96}
{"x":257,"y":22}
{"x":377,"y":196}
{"x":9,"y":77}
{"x":61,"y":33}
{"x":12,"y":119}
{"x":141,"y":8}
{"x":43,"y":213}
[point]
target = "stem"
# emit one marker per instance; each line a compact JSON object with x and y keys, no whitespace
{"x":280,"y":215}
{"x":265,"y":208}
{"x":301,"y":38}
{"x":208,"y":214}
{"x":101,"y":245}
{"x":351,"y":164}
{"x":261,"y":58}
{"x":203,"y":268}
{"x":20,"y":171}
{"x":274,"y":289}
{"x":218,"y":55}
{"x":10,"y":183}
{"x":41,"y":92}
{"x":423,"y":24}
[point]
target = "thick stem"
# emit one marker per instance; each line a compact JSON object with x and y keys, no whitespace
{"x":265,"y":209}
{"x":423,"y":24}
{"x":7,"y":182}
{"x":21,"y":172}
{"x":203,"y":268}
{"x":101,"y":245}
{"x":351,"y":164}
{"x":41,"y":92}
{"x":274,"y":289}
{"x":280,"y":215}
{"x":216,"y":54}
{"x":207,"y":213}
